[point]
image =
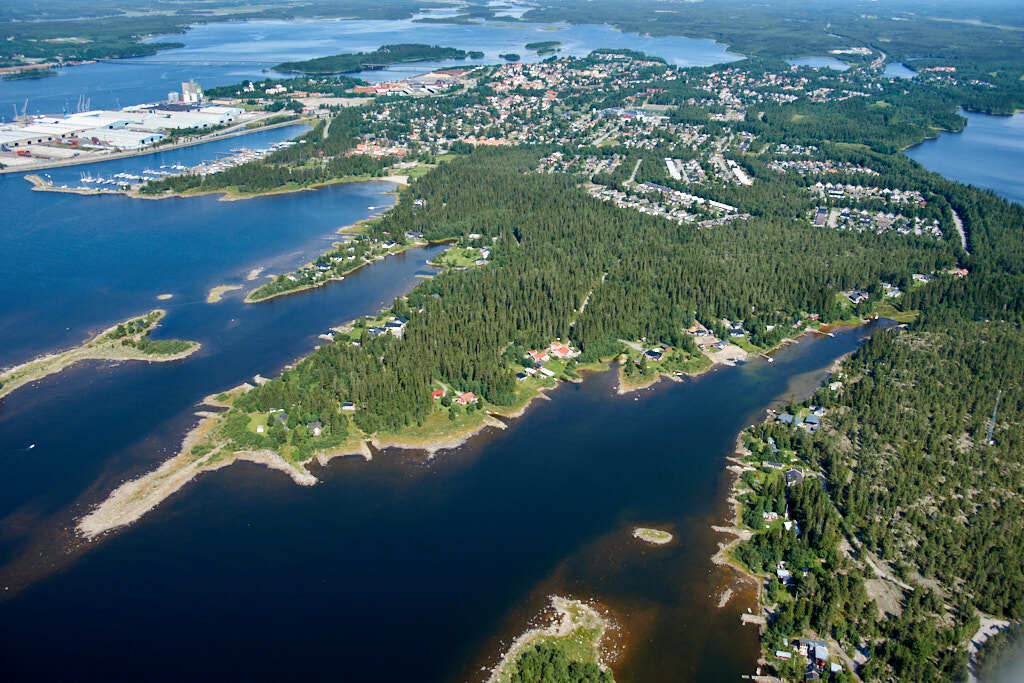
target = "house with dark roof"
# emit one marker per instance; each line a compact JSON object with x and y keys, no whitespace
{"x":794,"y":476}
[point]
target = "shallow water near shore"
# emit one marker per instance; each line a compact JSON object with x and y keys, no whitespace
{"x":403,"y":568}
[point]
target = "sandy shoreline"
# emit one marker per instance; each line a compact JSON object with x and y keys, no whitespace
{"x":433,"y":446}
{"x":92,"y":349}
{"x":570,"y":616}
{"x":652,"y":536}
{"x":347,"y":229}
{"x":131,"y":500}
{"x":217,"y":293}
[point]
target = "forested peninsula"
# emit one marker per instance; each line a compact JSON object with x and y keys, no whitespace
{"x":383,"y":56}
{"x":614,"y":206}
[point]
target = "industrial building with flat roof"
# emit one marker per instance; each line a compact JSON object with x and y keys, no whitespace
{"x":129,"y":128}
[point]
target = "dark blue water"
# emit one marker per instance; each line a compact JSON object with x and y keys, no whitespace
{"x":898,"y":70}
{"x":393,"y":569}
{"x":225,"y":53}
{"x":988,"y":153}
{"x":73,"y":264}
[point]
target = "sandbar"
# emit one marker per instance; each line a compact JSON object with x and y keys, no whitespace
{"x":652,"y":536}
{"x":217,"y":293}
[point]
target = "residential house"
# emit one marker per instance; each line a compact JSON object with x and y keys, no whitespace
{"x":539,"y":356}
{"x":466,"y":398}
{"x":559,"y":350}
{"x":794,"y":476}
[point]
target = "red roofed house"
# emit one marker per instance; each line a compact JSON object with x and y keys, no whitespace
{"x":539,"y":356}
{"x":561,"y":350}
{"x":437,"y":393}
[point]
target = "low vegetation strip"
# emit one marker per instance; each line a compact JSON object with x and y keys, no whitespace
{"x":125,"y":341}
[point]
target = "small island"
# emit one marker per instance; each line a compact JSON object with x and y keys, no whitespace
{"x":573,"y":637}
{"x":545,"y":47}
{"x":380,"y":58}
{"x":652,"y":536}
{"x":128,"y":340}
{"x":509,"y":56}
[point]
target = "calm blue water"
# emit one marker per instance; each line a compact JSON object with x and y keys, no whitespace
{"x":224,"y":53}
{"x":76,"y":264}
{"x":988,"y":153}
{"x":393,"y":569}
{"x":186,"y":156}
{"x":898,"y":70}
{"x":820,"y":63}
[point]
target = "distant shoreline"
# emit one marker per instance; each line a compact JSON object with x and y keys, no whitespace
{"x":223,"y":135}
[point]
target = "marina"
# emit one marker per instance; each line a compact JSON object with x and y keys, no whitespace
{"x":133,"y":181}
